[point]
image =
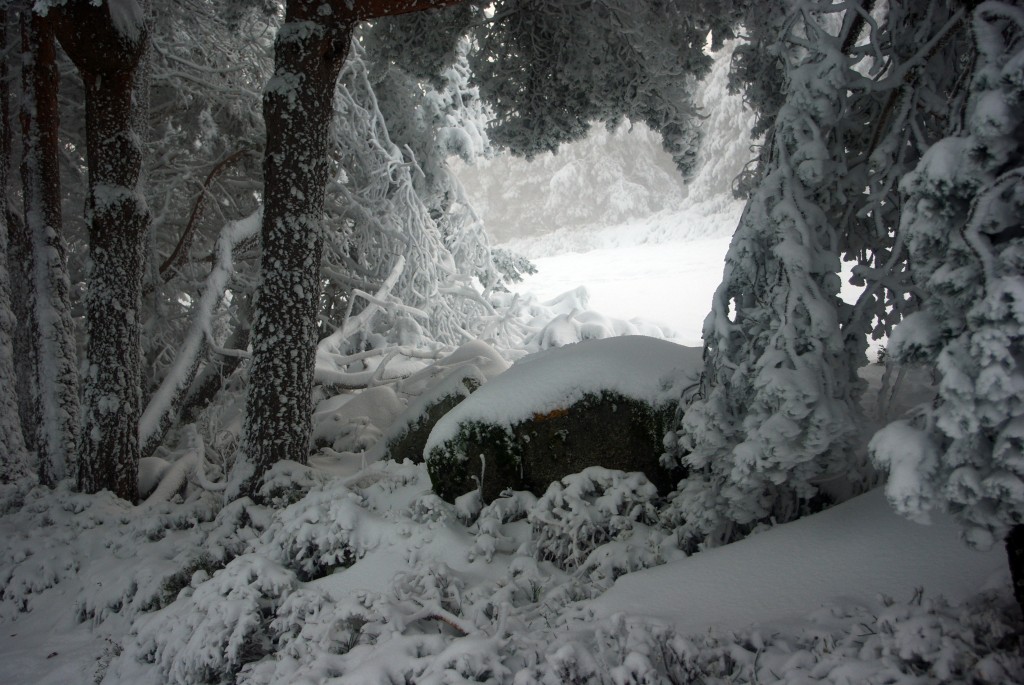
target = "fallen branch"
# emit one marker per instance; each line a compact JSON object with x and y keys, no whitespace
{"x":169,"y":398}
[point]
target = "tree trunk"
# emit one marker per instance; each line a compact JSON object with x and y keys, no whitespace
{"x":107,"y":57}
{"x":297,"y":109}
{"x":1015,"y":555}
{"x":14,"y":461}
{"x":19,"y":262}
{"x":309,"y":52}
{"x":53,"y":340}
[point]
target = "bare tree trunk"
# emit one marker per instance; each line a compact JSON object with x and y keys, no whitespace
{"x":53,"y":340}
{"x":107,"y":57}
{"x":19,"y":261}
{"x":14,"y":460}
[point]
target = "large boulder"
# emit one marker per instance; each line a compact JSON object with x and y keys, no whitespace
{"x":436,"y":391}
{"x":603,"y":403}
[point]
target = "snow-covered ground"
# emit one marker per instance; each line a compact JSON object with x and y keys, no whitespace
{"x":371,"y":578}
{"x":663,"y":270}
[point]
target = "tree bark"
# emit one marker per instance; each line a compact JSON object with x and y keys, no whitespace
{"x":19,"y":262}
{"x":309,"y":51}
{"x":118,"y":219}
{"x":14,"y":461}
{"x":297,"y":107}
{"x":53,"y":339}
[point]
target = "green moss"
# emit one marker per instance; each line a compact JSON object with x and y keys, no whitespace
{"x":456,"y":466}
{"x":601,"y":429}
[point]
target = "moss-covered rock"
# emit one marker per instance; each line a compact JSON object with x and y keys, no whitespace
{"x":407,"y":435}
{"x":607,"y":429}
{"x":606,"y":402}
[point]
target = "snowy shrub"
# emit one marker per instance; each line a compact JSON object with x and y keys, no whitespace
{"x":900,"y":643}
{"x":141,"y":561}
{"x":490,"y":525}
{"x":429,"y":508}
{"x":327,"y":529}
{"x":222,"y":624}
{"x":287,"y":482}
{"x":587,"y":510}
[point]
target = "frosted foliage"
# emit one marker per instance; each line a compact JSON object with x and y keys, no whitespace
{"x":963,"y":202}
{"x":388,"y":213}
{"x":550,"y":68}
{"x":434,"y":598}
{"x":223,"y":625}
{"x":585,"y":511}
{"x":779,"y":408}
{"x":604,"y":179}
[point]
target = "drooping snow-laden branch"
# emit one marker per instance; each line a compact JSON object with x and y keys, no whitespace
{"x":191,"y":464}
{"x":385,"y":194}
{"x":169,"y":397}
{"x":962,"y":451}
{"x":331,"y":363}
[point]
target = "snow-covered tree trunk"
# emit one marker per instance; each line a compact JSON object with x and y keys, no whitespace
{"x":309,"y":51}
{"x":53,"y":336}
{"x":14,"y":460}
{"x":105,"y":44}
{"x":297,"y":107}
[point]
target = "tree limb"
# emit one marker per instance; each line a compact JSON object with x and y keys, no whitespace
{"x":177,"y":257}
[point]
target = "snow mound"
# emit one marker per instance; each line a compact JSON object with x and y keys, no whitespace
{"x":857,"y":549}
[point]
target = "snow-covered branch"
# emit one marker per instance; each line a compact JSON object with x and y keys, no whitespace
{"x":167,"y":400}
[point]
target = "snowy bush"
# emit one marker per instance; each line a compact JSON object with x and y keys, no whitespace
{"x":141,"y":561}
{"x":900,"y":643}
{"x":327,"y":529}
{"x":491,"y":534}
{"x":587,"y":510}
{"x":221,"y":624}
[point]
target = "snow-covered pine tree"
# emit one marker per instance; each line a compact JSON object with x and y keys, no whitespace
{"x":14,"y":458}
{"x":778,"y":410}
{"x":105,"y":42}
{"x":550,"y":69}
{"x":52,"y":340}
{"x":964,"y":452}
{"x":780,"y":403}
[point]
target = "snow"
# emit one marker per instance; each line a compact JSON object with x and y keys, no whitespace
{"x":858,"y":549}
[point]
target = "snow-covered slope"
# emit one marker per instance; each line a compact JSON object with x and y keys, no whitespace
{"x":855,"y":551}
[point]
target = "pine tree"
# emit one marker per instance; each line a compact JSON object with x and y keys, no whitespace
{"x":779,"y":409}
{"x":779,"y":412}
{"x":52,"y":339}
{"x":309,"y":51}
{"x":962,"y":219}
{"x":14,"y":458}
